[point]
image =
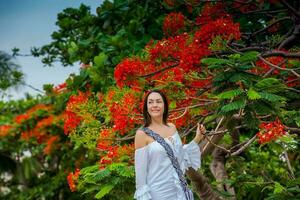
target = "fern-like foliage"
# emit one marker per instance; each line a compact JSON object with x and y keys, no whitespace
{"x":101,"y":183}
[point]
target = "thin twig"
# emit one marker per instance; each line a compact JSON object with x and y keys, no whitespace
{"x":244,"y":146}
{"x":294,"y":11}
{"x":159,"y":71}
{"x":289,"y":164}
{"x":270,"y":25}
{"x":277,"y":67}
{"x":218,"y":146}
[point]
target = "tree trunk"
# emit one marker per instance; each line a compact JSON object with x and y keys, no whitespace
{"x":217,"y":168}
{"x":200,"y":183}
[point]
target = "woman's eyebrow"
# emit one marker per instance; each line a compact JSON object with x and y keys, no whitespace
{"x":153,"y":99}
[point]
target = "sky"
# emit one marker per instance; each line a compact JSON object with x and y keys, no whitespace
{"x":29,"y":23}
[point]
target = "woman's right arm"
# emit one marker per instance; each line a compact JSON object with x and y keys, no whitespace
{"x":141,"y":166}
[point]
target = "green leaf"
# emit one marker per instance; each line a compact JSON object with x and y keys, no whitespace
{"x":278,"y":188}
{"x":100,"y":59}
{"x":252,"y":94}
{"x":104,"y":190}
{"x":272,"y":85}
{"x":236,"y":105}
{"x":215,"y":61}
{"x":172,"y":105}
{"x":249,"y":56}
{"x":230,"y":94}
{"x":271,"y":97}
{"x":100,"y":175}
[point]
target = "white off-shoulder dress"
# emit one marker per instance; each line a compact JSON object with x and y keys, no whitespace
{"x":156,"y":178}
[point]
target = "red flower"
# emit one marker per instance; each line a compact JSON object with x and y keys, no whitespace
{"x":123,"y":117}
{"x":4,"y":130}
{"x":72,"y":179}
{"x":127,"y":71}
{"x":78,"y":99}
{"x":225,"y":28}
{"x":292,"y":81}
{"x":263,"y":68}
{"x":71,"y":121}
{"x":105,"y":161}
{"x":211,"y":12}
{"x":173,"y":24}
{"x":104,"y":141}
{"x":270,"y":131}
{"x":60,"y":88}
{"x":21,"y":118}
{"x":50,"y":144}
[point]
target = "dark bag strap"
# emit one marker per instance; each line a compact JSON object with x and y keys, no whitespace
{"x":174,"y":161}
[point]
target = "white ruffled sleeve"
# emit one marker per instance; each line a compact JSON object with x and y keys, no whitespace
{"x":141,"y":167}
{"x":191,"y":156}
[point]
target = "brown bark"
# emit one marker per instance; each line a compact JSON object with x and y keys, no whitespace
{"x":206,"y":147}
{"x":199,"y":181}
{"x":217,"y":168}
{"x":202,"y":186}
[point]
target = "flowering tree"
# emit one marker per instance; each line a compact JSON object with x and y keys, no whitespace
{"x":232,"y":65}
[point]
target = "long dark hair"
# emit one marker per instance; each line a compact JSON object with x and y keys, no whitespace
{"x":147,"y":117}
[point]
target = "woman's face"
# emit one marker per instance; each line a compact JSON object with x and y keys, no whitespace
{"x":155,"y":105}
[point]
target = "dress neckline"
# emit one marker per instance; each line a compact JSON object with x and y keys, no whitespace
{"x":166,"y":138}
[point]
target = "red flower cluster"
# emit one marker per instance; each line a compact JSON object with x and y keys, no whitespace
{"x":127,"y":71}
{"x":180,"y":120}
{"x":72,"y":120}
{"x":123,"y":116}
{"x":31,"y":113}
{"x":225,"y":28}
{"x":190,"y":56}
{"x":180,"y":48}
{"x":76,"y":100}
{"x":45,"y":122}
{"x":211,"y":12}
{"x":72,"y":179}
{"x":166,"y":48}
{"x":270,"y":131}
{"x":22,"y":118}
{"x":50,"y":144}
{"x":263,"y":68}
{"x":105,"y":140}
{"x":60,"y":88}
{"x":200,"y":83}
{"x":4,"y":130}
{"x":116,"y":153}
{"x":292,"y":81}
{"x":173,"y":24}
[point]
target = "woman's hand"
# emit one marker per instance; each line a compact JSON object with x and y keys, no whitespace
{"x":199,"y":133}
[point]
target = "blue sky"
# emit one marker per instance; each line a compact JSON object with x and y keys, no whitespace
{"x":28,"y":23}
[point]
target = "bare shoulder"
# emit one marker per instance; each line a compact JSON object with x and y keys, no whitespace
{"x":172,"y":125}
{"x":140,"y":139}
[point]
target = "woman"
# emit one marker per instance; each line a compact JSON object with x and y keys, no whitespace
{"x":156,"y":176}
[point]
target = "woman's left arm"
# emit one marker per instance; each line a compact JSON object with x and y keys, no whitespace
{"x":199,"y":133}
{"x":191,"y":151}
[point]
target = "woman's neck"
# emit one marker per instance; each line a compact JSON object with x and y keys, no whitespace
{"x":157,"y":122}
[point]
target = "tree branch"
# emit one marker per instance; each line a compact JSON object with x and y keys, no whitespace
{"x":270,"y":25}
{"x":243,"y":147}
{"x":159,"y":71}
{"x":281,"y":54}
{"x":277,"y":67}
{"x":291,"y":8}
